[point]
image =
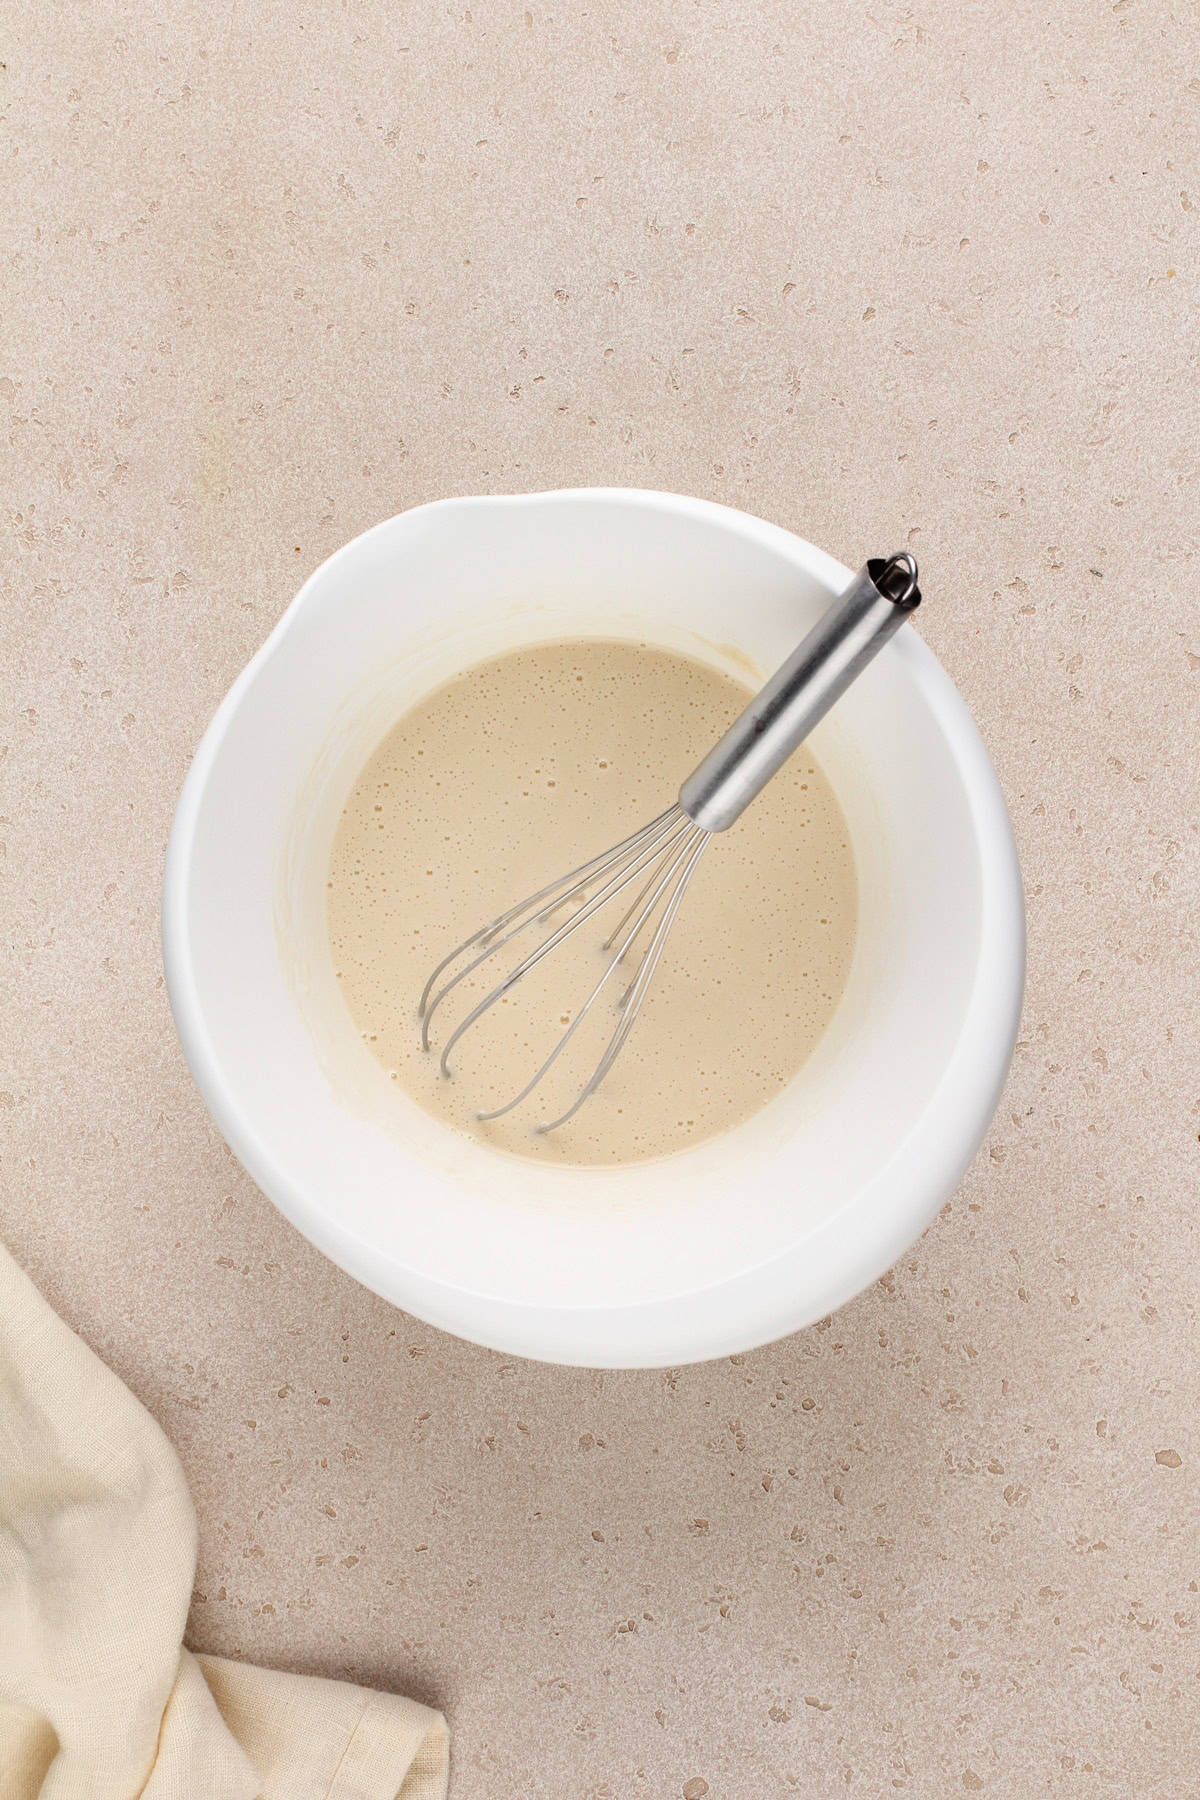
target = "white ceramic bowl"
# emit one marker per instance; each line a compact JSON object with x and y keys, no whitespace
{"x":721,"y":1247}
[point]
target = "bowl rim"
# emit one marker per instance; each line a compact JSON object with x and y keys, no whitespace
{"x":859,"y":1240}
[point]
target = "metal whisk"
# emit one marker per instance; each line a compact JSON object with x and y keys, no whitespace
{"x":662,"y":857}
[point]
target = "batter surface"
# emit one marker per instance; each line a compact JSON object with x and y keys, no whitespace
{"x":509,"y":776}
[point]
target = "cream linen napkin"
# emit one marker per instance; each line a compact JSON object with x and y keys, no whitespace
{"x":98,"y":1698}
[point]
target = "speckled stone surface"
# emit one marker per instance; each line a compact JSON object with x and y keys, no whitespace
{"x":920,"y":275}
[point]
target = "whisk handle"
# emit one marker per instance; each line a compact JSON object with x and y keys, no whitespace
{"x":818,"y":672}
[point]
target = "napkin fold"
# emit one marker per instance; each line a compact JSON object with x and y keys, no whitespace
{"x":99,"y":1700}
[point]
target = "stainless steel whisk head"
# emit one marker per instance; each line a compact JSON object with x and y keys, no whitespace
{"x":664,"y":854}
{"x":662,"y":857}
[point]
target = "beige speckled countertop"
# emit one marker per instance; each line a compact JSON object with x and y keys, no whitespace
{"x":916,"y":274}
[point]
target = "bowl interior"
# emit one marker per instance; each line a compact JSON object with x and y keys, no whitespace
{"x":631,"y":1264}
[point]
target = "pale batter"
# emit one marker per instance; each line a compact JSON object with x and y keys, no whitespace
{"x":517,"y":771}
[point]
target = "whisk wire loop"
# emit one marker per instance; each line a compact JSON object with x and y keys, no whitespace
{"x":632,"y":1003}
